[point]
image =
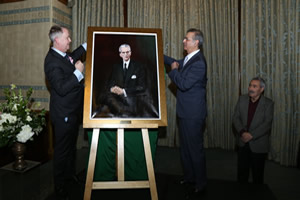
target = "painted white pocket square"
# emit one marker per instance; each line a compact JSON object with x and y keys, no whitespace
{"x":133,"y":77}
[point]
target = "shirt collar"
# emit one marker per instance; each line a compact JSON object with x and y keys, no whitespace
{"x":256,"y":102}
{"x":127,"y":63}
{"x":59,"y":52}
{"x":192,"y":54}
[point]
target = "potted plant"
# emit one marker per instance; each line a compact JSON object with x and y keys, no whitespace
{"x":20,"y":121}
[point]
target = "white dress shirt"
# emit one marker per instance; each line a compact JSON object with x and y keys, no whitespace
{"x":190,"y":55}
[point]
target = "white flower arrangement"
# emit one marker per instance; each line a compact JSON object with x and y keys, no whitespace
{"x":25,"y":134}
{"x":18,"y":122}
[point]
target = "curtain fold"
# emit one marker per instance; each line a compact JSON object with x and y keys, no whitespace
{"x":103,"y":13}
{"x":218,"y":21}
{"x":270,"y":49}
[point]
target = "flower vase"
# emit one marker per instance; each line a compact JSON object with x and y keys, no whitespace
{"x":18,"y":150}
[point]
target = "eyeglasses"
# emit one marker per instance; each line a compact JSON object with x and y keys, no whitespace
{"x":187,"y":39}
{"x":126,"y":52}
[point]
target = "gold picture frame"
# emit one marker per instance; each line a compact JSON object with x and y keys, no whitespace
{"x":102,"y":53}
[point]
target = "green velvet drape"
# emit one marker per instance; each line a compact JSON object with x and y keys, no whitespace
{"x":135,"y":163}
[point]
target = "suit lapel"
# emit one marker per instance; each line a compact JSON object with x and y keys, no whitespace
{"x":68,"y":62}
{"x":245,"y":104}
{"x":190,"y":61}
{"x":55,"y":54}
{"x":129,"y":70}
{"x":120,"y":73}
{"x":258,"y":112}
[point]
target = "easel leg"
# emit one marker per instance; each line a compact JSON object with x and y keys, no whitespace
{"x":149,"y":163}
{"x":120,"y":141}
{"x":91,"y":165}
{"x":121,"y":183}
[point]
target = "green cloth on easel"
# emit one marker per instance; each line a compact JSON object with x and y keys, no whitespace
{"x":135,"y":163}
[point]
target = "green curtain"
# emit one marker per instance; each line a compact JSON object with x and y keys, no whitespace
{"x":135,"y":163}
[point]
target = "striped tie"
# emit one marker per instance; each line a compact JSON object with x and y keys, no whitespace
{"x":185,"y":60}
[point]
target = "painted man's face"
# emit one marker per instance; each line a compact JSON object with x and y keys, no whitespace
{"x":125,"y":53}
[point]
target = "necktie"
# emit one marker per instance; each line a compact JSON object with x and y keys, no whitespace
{"x":185,"y":60}
{"x":69,"y":58}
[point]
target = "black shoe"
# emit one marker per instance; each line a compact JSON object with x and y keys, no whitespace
{"x":196,"y":193}
{"x":200,"y":191}
{"x":184,"y":182}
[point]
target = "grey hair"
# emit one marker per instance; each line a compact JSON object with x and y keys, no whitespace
{"x":55,"y":31}
{"x":261,"y":81}
{"x":123,"y":46}
{"x":198,"y":36}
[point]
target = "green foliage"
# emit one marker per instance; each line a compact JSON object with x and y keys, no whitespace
{"x":19,"y":120}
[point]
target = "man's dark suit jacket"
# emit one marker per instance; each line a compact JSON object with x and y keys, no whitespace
{"x":66,"y":92}
{"x":134,"y":82}
{"x":260,"y":126}
{"x":191,"y":111}
{"x":191,"y":86}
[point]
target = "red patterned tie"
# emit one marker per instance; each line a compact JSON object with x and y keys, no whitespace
{"x":69,"y":58}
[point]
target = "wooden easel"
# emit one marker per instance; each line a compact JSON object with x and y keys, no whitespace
{"x":121,"y":183}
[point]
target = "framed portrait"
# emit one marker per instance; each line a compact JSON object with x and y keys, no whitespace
{"x":124,"y":78}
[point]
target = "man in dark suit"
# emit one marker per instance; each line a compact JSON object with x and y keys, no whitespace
{"x":189,"y":75}
{"x":252,"y":119}
{"x":64,"y":74}
{"x":126,"y":82}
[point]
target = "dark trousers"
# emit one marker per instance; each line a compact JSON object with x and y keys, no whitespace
{"x":248,"y":160}
{"x":66,"y":133}
{"x":192,"y":151}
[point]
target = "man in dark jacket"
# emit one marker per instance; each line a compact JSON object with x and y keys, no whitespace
{"x":189,"y":75}
{"x":125,"y":85}
{"x":65,"y":75}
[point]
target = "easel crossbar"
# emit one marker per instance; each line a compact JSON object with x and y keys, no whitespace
{"x":121,"y":185}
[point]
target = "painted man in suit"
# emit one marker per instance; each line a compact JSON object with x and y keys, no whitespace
{"x":189,"y":75}
{"x":64,"y":74}
{"x":126,"y":82}
{"x":252,"y":119}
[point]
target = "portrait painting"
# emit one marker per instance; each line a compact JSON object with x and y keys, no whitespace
{"x":124,"y":79}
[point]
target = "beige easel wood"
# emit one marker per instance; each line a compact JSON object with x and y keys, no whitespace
{"x":121,"y":183}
